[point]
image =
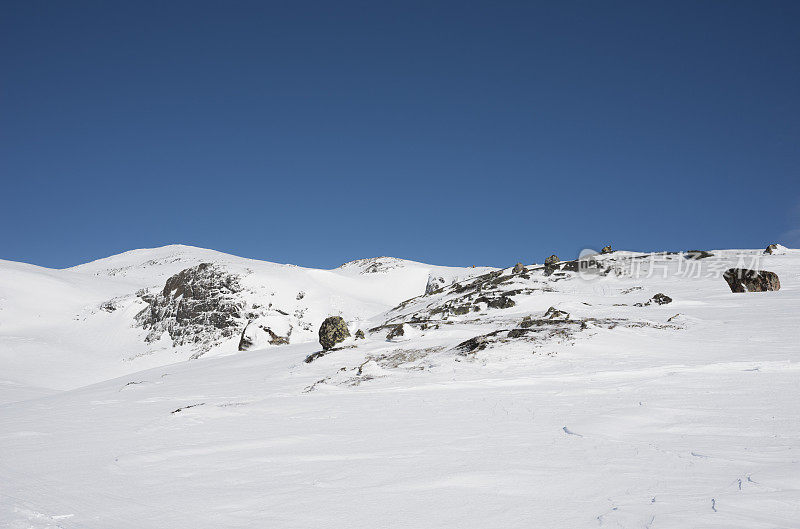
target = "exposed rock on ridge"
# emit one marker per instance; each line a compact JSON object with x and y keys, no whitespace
{"x":197,"y":306}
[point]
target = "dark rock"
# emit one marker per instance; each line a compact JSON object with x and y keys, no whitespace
{"x":500,"y":302}
{"x":771,"y":248}
{"x":516,"y":333}
{"x":332,"y":331}
{"x":274,"y":339}
{"x":473,"y":345}
{"x":461,"y":310}
{"x":503,"y":302}
{"x":743,"y":280}
{"x":518,"y":268}
{"x":249,"y":337}
{"x":607,"y":249}
{"x":660,"y":299}
{"x":570,"y":266}
{"x":697,"y":254}
{"x":397,"y":331}
{"x":245,"y":342}
{"x":313,"y":356}
{"x":551,"y":264}
{"x":555,"y":314}
{"x":359,"y":334}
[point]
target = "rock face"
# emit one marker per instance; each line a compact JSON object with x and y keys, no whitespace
{"x":360,"y":335}
{"x":198,"y":305}
{"x":607,"y":249}
{"x":332,"y":331}
{"x":744,"y":280}
{"x":518,"y":268}
{"x":771,"y":248}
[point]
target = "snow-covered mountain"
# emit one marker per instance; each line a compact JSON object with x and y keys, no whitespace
{"x":181,"y":387}
{"x":67,"y":328}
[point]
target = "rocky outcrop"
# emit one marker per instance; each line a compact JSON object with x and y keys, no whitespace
{"x":332,"y":331}
{"x":245,"y":341}
{"x":696,"y":255}
{"x":496,"y":302}
{"x":360,"y":335}
{"x":518,"y":268}
{"x":396,"y":332}
{"x":607,"y":249}
{"x":254,"y":335}
{"x":744,"y":280}
{"x":551,"y":264}
{"x":473,"y":345}
{"x":198,"y":305}
{"x":660,"y":299}
{"x":434,"y":284}
{"x":555,"y":314}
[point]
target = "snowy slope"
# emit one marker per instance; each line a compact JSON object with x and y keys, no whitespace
{"x":611,"y":412}
{"x":55,"y":333}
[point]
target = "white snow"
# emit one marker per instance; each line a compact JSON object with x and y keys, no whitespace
{"x":683,"y":415}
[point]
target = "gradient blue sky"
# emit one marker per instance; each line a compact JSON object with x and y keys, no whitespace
{"x":448,"y":132}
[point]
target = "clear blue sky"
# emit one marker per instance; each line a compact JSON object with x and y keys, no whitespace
{"x":448,"y":132}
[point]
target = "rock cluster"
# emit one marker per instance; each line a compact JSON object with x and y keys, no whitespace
{"x":607,"y":249}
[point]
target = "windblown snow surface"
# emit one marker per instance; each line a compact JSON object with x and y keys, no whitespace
{"x":607,"y":412}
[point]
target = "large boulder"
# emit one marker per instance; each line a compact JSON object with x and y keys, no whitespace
{"x":607,"y":249}
{"x":332,"y":331}
{"x":518,"y":268}
{"x":744,"y":280}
